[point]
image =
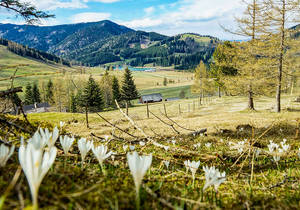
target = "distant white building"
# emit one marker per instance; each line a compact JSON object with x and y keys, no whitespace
{"x":36,"y":108}
{"x":151,"y":98}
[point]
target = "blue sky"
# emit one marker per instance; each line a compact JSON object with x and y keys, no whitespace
{"x":168,"y":17}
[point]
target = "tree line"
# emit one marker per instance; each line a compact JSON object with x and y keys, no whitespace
{"x":82,"y":96}
{"x":266,"y":64}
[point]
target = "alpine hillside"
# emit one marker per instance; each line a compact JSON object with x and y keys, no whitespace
{"x":105,"y":42}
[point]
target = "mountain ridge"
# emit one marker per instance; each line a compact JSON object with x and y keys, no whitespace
{"x":102,"y":42}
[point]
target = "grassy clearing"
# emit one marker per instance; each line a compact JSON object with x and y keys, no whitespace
{"x":34,"y":71}
{"x":266,"y":185}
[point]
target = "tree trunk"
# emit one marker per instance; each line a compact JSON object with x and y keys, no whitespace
{"x":87,"y":116}
{"x":219,"y":91}
{"x":250,"y":98}
{"x":278,"y":92}
{"x":280,"y":67}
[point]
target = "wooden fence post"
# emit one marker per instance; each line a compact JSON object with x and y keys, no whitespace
{"x":148,"y":110}
{"x":127,"y":108}
{"x":165,"y":109}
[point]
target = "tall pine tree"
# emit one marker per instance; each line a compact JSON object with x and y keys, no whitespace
{"x":116,"y":90}
{"x":36,"y":94}
{"x":128,"y":91}
{"x":91,"y":97}
{"x":28,"y":95}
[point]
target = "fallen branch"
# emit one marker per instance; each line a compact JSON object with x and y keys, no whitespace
{"x":120,"y":129}
{"x":285,"y":180}
{"x":152,"y":141}
{"x":176,"y":122}
{"x":4,"y":121}
{"x":170,"y":125}
{"x":4,"y":93}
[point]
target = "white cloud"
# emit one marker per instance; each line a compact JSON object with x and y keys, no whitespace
{"x":55,"y":4}
{"x":89,"y":17}
{"x":199,"y":16}
{"x":149,"y":10}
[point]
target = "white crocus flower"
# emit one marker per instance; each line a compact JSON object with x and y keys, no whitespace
{"x":101,"y":153}
{"x":167,"y":163}
{"x":272,"y":146}
{"x":125,"y":147}
{"x":138,"y":166}
{"x":276,"y":156}
{"x":142,"y":143}
{"x":173,"y":142}
{"x":66,"y":143}
{"x":39,"y":139}
{"x":35,"y":164}
{"x":285,"y":147}
{"x":193,"y":166}
{"x":213,"y":177}
{"x":48,"y":137}
{"x":257,"y":152}
{"x":198,"y":145}
{"x":166,"y":148}
{"x":240,"y":146}
{"x":131,"y":147}
{"x":208,"y":145}
{"x":84,"y":147}
{"x":61,"y":124}
{"x":5,"y":154}
{"x":45,"y":134}
{"x":221,"y":140}
{"x":53,"y":138}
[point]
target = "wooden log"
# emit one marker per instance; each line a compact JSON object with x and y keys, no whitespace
{"x":5,"y":93}
{"x":197,"y":133}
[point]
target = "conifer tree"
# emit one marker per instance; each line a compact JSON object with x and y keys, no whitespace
{"x":116,"y":90}
{"x":28,"y":95}
{"x":128,"y":91}
{"x":92,"y":96}
{"x":36,"y":94}
{"x":49,"y":92}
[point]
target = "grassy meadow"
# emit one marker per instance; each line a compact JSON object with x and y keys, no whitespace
{"x":253,"y":181}
{"x":236,"y":143}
